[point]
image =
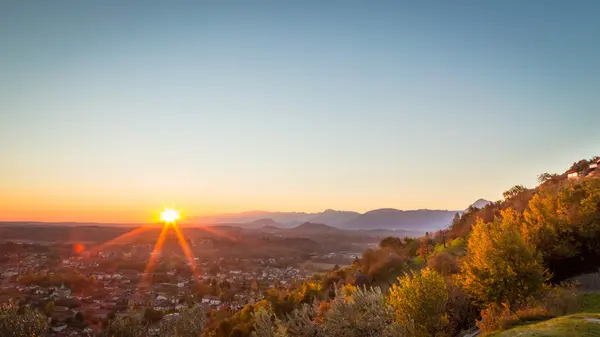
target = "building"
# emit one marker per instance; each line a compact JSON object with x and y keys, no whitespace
{"x":593,"y":169}
{"x":211,"y":300}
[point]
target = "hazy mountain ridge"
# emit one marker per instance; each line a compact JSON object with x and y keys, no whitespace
{"x":389,"y":218}
{"x":310,"y":227}
{"x":384,"y":218}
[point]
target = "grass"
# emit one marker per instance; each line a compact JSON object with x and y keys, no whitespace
{"x":591,"y":302}
{"x":580,"y":325}
{"x":583,"y":324}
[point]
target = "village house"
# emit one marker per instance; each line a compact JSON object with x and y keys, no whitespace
{"x":211,"y":300}
{"x":591,"y":170}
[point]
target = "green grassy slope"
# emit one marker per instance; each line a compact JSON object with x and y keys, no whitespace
{"x":583,"y":324}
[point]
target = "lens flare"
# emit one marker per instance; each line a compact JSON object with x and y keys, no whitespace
{"x":169,"y":215}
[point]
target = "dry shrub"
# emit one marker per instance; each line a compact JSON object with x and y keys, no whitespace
{"x":562,"y":300}
{"x":444,"y":263}
{"x":496,"y":317}
{"x":460,"y":308}
{"x":557,"y":301}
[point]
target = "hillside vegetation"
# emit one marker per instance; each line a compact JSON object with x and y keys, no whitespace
{"x":499,"y":267}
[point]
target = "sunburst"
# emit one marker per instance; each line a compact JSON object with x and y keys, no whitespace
{"x":169,"y":216}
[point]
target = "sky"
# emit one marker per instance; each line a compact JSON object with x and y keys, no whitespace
{"x":110,"y":110}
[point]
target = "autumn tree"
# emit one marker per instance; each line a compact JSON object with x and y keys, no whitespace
{"x":443,"y":263}
{"x":514,"y":191}
{"x":394,"y":243}
{"x":500,"y":266}
{"x":563,"y":224}
{"x":419,"y":301}
{"x":548,"y":178}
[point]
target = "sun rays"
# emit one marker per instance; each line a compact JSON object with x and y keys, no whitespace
{"x":154,"y":257}
{"x":169,"y":217}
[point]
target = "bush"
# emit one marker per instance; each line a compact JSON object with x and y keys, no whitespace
{"x":302,"y":322}
{"x":152,"y":315}
{"x":460,"y":308}
{"x":132,"y":325}
{"x":15,"y":322}
{"x":364,"y":313}
{"x":496,"y":317}
{"x":557,"y":301}
{"x":419,"y":302}
{"x":267,"y":325}
{"x":189,"y":323}
{"x":443,"y":263}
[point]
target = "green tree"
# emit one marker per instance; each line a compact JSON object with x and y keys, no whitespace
{"x":419,"y":303}
{"x":500,"y":266}
{"x":21,"y":323}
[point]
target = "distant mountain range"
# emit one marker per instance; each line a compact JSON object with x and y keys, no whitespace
{"x":389,"y":218}
{"x":385,"y":218}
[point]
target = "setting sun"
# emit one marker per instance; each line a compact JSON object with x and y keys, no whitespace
{"x":169,"y":215}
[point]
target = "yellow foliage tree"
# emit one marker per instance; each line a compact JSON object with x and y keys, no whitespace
{"x":500,"y":267}
{"x":419,"y":303}
{"x":563,"y":222}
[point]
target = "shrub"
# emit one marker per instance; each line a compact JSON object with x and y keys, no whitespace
{"x":557,"y":301}
{"x":364,"y":313}
{"x":443,"y":263}
{"x":460,"y":308}
{"x":419,"y":301}
{"x":267,"y":325}
{"x":496,"y":317}
{"x":23,"y":322}
{"x":132,"y":325}
{"x":302,"y":322}
{"x":189,"y":323}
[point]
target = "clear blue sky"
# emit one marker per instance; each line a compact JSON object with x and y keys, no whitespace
{"x":109,"y":110}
